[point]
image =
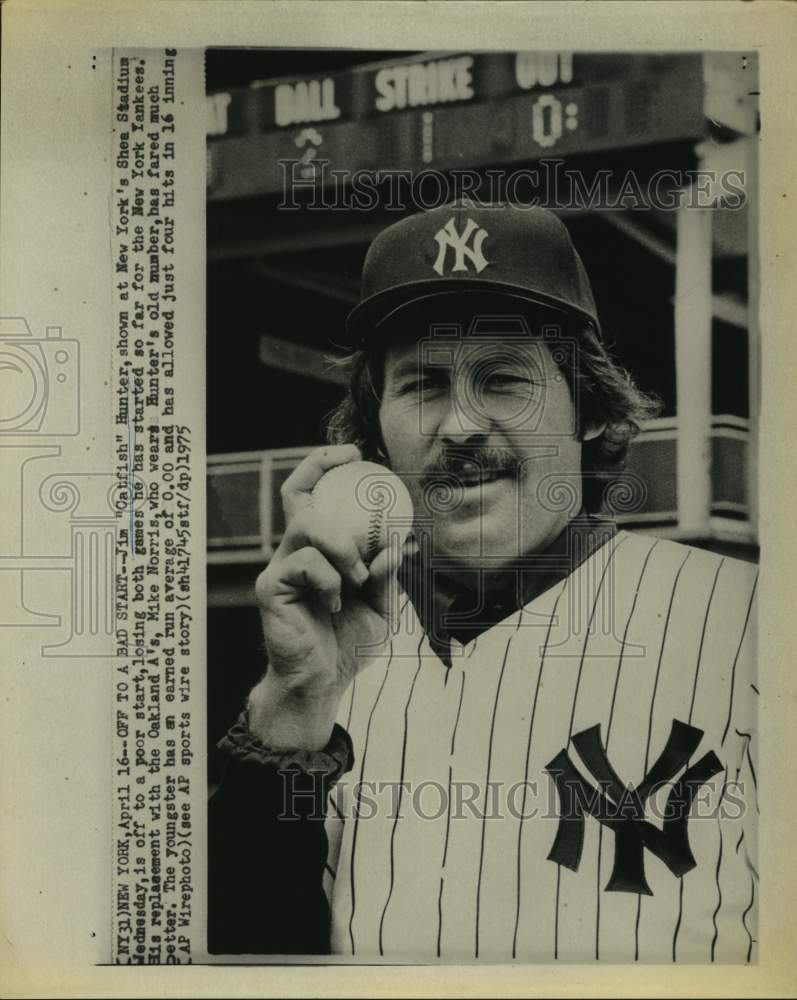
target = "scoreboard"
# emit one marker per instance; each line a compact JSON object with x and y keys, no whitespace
{"x":440,"y":112}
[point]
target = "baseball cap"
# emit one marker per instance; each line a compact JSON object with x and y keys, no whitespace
{"x":526,"y":253}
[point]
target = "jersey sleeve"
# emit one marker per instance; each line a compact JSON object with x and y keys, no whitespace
{"x":740,"y":812}
{"x":268,"y":847}
{"x":745,"y":733}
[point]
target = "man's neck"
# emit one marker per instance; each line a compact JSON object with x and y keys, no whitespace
{"x":466,"y":602}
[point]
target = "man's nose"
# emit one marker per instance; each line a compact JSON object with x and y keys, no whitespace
{"x":462,"y":419}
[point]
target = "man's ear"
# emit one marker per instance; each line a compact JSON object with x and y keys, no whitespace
{"x":593,"y":432}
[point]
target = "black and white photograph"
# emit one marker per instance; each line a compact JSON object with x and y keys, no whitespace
{"x":395,"y":498}
{"x":482,"y":397}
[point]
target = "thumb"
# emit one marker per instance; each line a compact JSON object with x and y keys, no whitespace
{"x":382,"y":590}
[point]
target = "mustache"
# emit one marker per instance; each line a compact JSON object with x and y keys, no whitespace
{"x":454,"y":462}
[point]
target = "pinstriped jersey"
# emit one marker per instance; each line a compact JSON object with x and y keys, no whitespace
{"x":456,"y":837}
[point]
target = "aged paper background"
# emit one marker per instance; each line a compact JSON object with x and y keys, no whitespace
{"x":55,"y":270}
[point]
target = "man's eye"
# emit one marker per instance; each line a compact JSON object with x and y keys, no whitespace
{"x":504,"y":380}
{"x":427,"y":383}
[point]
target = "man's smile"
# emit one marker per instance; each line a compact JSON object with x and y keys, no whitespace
{"x":472,"y":474}
{"x":469,"y":473}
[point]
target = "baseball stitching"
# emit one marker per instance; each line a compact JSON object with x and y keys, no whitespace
{"x":374,"y":532}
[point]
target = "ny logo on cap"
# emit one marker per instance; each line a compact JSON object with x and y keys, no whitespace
{"x":449,"y":239}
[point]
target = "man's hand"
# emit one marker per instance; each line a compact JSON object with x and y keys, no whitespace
{"x":324,"y":615}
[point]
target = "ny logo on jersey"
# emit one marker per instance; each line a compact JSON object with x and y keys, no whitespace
{"x":622,"y":808}
{"x":449,"y":239}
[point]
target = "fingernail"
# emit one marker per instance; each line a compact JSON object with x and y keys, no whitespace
{"x":336,"y":605}
{"x":360,"y":574}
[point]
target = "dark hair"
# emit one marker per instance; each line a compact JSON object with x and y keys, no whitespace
{"x":606,"y":393}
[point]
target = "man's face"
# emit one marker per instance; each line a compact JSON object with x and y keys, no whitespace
{"x":483,"y":430}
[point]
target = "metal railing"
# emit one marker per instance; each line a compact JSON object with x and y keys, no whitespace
{"x":245,"y":514}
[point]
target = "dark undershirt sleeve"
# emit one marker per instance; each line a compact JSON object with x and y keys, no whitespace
{"x":267,"y":846}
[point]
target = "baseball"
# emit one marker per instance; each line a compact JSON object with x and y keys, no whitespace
{"x":368,"y":501}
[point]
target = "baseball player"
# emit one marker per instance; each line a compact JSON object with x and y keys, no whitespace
{"x":527,"y":736}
